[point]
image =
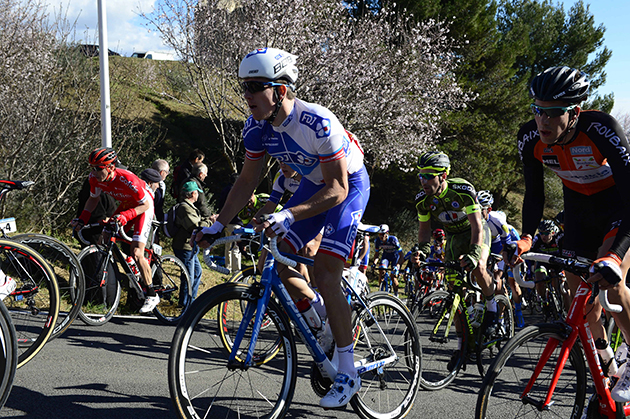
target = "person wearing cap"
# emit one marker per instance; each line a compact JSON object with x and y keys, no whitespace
{"x":187,"y":218}
{"x":590,"y":153}
{"x":135,"y":208}
{"x":152,"y":178}
{"x":334,"y":191}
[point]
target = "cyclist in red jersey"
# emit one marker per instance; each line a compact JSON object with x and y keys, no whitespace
{"x":590,"y":153}
{"x":135,"y":207}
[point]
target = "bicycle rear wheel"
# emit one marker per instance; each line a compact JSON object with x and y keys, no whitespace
{"x":68,"y":273}
{"x":173,"y":281}
{"x":102,"y":289}
{"x":8,"y":354}
{"x":201,"y":383}
{"x":387,"y":392}
{"x":34,"y":305}
{"x":501,"y":394}
{"x":438,"y":348}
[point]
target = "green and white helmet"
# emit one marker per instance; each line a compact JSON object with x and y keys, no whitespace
{"x":434,"y":160}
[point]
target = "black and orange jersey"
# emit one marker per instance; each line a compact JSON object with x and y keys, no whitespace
{"x":597,"y":159}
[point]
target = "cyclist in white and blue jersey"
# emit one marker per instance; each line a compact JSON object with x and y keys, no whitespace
{"x":333,"y":192}
{"x":392,"y":255}
{"x":502,"y":234}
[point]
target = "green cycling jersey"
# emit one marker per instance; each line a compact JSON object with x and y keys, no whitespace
{"x":451,"y":207}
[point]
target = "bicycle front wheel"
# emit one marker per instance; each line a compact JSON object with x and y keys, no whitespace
{"x":501,"y":394}
{"x":387,"y":392}
{"x":490,"y":346}
{"x":102,"y":289}
{"x":170,"y":286}
{"x":201,"y":383}
{"x":8,"y":354}
{"x":440,"y":342}
{"x":68,"y":273}
{"x":34,"y":305}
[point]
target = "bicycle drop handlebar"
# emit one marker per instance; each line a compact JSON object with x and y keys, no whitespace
{"x":118,"y":230}
{"x":578,"y":267}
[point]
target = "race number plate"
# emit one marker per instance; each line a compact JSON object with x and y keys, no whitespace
{"x":8,"y":225}
{"x":157,"y":249}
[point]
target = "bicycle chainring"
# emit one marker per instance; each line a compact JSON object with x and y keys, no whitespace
{"x":321,"y":386}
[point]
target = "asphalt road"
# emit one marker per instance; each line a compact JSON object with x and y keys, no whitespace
{"x":120,"y":371}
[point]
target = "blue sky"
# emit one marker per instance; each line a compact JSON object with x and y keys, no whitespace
{"x":127,"y":34}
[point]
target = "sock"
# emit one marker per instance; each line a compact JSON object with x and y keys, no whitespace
{"x":151,"y":292}
{"x":491,"y":305}
{"x":318,"y":304}
{"x":346,"y":361}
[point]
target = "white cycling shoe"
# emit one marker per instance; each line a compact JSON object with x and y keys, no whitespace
{"x":149,"y":304}
{"x":621,"y":391}
{"x":341,"y":392}
{"x":8,"y":285}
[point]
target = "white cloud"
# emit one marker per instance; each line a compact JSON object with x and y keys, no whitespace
{"x":125,"y":29}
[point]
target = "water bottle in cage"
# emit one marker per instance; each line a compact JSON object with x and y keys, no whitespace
{"x":132,"y":265}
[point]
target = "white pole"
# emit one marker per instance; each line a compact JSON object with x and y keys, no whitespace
{"x":106,"y":123}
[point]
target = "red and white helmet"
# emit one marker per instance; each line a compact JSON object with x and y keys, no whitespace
{"x":270,"y":63}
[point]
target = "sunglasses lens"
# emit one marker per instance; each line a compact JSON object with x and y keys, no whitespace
{"x":427,"y":176}
{"x":550,"y":112}
{"x":253,"y":86}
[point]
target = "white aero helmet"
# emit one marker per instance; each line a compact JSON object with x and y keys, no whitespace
{"x":270,"y":63}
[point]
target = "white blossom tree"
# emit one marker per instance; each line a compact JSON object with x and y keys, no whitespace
{"x":388,"y":79}
{"x":50,"y":114}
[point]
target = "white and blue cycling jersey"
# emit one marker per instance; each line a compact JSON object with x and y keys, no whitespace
{"x":282,"y":184}
{"x":309,"y":136}
{"x":501,"y":232}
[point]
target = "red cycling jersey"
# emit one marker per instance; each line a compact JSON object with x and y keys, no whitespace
{"x":125,"y":187}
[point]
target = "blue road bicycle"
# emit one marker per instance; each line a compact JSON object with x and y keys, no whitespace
{"x":234,"y":354}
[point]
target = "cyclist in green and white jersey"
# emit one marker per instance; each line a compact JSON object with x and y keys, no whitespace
{"x":453,"y":202}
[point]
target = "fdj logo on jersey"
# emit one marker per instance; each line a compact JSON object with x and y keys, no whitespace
{"x":320,"y":125}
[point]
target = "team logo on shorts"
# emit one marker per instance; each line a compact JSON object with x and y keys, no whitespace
{"x":433,"y":207}
{"x":455,"y":204}
{"x":328,"y":230}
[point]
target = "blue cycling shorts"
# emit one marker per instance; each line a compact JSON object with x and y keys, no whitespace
{"x":340,"y":223}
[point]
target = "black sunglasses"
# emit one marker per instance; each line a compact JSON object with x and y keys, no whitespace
{"x":257,"y":86}
{"x":550,"y":111}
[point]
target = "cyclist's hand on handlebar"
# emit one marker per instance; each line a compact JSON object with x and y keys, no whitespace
{"x":77,"y":224}
{"x":468,"y":262}
{"x":606,"y":268}
{"x":278,"y":222}
{"x":207,"y":235}
{"x":120,"y":219}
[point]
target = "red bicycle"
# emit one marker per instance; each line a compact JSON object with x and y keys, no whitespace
{"x":541,"y":371}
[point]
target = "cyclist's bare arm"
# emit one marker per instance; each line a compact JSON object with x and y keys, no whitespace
{"x":424,"y":232}
{"x":90,"y":206}
{"x":476,"y":228}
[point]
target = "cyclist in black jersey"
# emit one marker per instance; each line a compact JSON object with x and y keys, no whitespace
{"x":453,"y":202}
{"x":590,"y":153}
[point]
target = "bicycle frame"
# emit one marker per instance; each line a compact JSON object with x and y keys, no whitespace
{"x":257,"y":307}
{"x":577,"y":327}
